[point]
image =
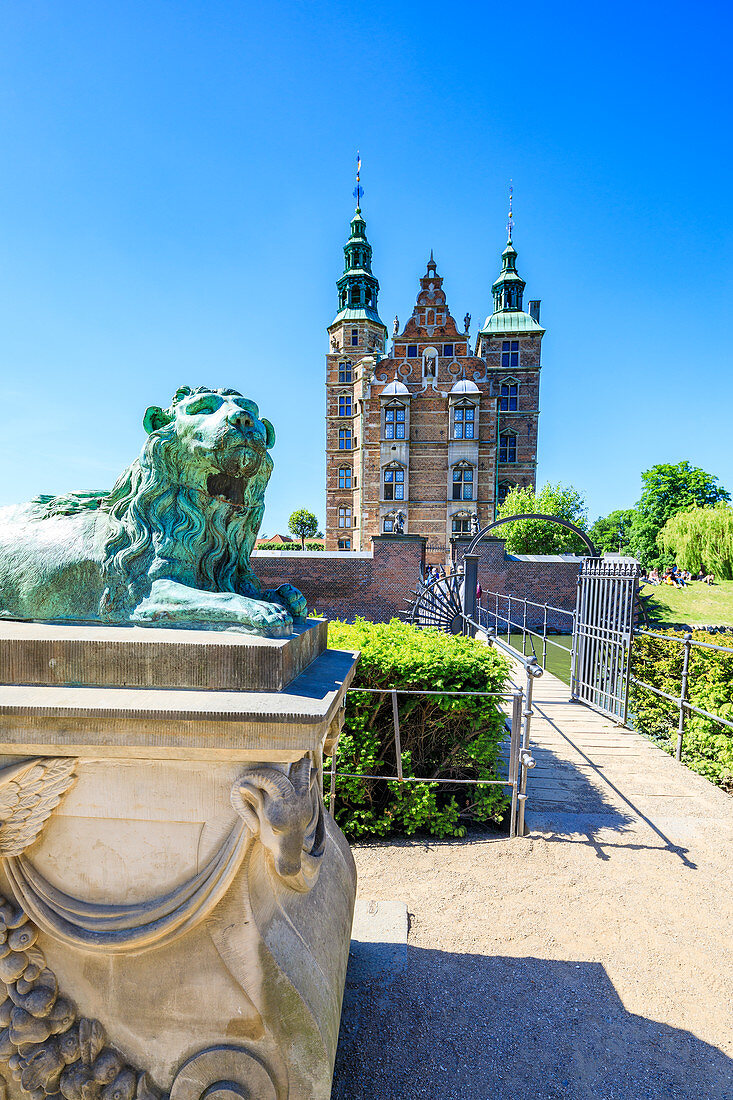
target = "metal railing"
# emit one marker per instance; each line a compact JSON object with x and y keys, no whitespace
{"x":681,"y":701}
{"x":488,"y":613}
{"x":519,"y":761}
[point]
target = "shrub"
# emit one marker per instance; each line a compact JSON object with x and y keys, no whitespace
{"x":707,"y":747}
{"x":441,"y":735}
{"x":290,"y":546}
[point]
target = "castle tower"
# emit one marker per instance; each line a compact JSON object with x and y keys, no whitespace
{"x":428,"y":438}
{"x":510,"y":344}
{"x":357,"y":339}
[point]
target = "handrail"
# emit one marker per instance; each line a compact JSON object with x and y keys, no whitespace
{"x":520,"y":758}
{"x":523,"y":599}
{"x":693,"y":641}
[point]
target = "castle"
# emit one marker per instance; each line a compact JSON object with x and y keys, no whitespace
{"x":426,"y":437}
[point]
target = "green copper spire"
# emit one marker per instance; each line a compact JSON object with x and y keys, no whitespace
{"x":509,"y":287}
{"x":358,"y":289}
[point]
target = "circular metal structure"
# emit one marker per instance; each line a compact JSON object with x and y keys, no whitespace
{"x":593,"y":553}
{"x":438,"y":603}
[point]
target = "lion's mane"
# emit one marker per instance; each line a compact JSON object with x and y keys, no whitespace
{"x":152,"y":512}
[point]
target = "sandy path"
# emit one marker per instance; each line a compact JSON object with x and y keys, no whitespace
{"x":593,"y":960}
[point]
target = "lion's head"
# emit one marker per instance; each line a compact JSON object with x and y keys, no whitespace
{"x":192,"y":503}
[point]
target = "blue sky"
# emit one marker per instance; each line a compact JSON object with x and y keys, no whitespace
{"x":176,"y":191}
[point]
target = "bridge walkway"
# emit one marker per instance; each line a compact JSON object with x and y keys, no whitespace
{"x":597,"y":779}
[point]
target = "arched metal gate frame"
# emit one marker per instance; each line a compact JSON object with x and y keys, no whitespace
{"x":470,"y":558}
{"x":605,"y":616}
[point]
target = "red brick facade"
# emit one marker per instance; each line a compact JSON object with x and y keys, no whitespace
{"x":433,"y":433}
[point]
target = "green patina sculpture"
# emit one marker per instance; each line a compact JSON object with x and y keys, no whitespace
{"x":170,"y":544}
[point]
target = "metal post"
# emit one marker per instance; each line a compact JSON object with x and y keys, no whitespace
{"x":575,"y":647}
{"x":397,"y":742}
{"x":524,"y":629}
{"x":332,"y":799}
{"x":514,"y":758}
{"x":544,"y":641}
{"x":509,"y":618}
{"x":526,"y":760}
{"x":470,"y":583}
{"x":683,"y":696}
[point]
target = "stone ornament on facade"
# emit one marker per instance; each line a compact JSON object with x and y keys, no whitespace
{"x":52,"y":1051}
{"x":170,"y":544}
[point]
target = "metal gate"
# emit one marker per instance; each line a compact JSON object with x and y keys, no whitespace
{"x":604,"y":626}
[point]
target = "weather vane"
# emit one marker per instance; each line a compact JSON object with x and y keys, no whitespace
{"x":358,"y":190}
{"x":510,"y":222}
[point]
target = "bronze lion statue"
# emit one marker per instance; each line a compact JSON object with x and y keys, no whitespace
{"x":170,"y":544}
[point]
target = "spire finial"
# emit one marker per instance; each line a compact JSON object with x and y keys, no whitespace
{"x":510,"y":221}
{"x":358,"y":190}
{"x":431,"y":257}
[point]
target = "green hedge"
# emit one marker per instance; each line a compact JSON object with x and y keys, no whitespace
{"x":707,"y":747}
{"x":290,"y":546}
{"x":441,"y":735}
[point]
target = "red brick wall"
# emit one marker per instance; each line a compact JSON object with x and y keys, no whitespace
{"x":552,"y":581}
{"x":344,"y":585}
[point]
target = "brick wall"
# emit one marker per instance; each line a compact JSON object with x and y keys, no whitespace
{"x":375,"y":584}
{"x":342,"y":585}
{"x":540,"y":578}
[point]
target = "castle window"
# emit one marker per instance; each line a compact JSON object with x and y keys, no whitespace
{"x":344,"y":404}
{"x":344,"y":477}
{"x":461,"y":523}
{"x":344,"y":439}
{"x":412,"y":351}
{"x":507,"y":447}
{"x":394,"y":483}
{"x":355,"y":300}
{"x":344,"y":544}
{"x":505,"y":488}
{"x":464,"y":421}
{"x":354,"y":337}
{"x":388,"y":526}
{"x":463,"y":482}
{"x":346,"y":371}
{"x":394,"y":422}
{"x":508,"y":401}
{"x":448,"y":350}
{"x":510,"y":353}
{"x":344,"y":516}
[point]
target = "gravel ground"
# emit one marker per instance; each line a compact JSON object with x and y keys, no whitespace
{"x":548,"y":967}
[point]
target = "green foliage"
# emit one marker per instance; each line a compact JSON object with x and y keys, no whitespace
{"x":669,"y":489}
{"x":611,"y":533}
{"x":290,"y":546}
{"x":441,"y":735}
{"x":701,"y":537}
{"x":707,"y":747}
{"x":533,"y":536}
{"x":303,"y":524}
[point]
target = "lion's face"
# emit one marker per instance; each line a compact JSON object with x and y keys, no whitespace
{"x":221,"y":438}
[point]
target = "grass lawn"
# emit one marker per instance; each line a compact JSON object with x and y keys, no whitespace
{"x":698,"y":604}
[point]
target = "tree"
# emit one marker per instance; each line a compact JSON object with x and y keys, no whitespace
{"x":532,"y":536}
{"x":669,"y":489}
{"x":303,"y":524}
{"x":701,"y":537}
{"x":611,"y":533}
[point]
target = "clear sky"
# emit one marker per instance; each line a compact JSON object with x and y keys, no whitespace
{"x":176,"y":189}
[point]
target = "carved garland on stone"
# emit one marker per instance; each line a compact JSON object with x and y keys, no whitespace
{"x":51,"y":1051}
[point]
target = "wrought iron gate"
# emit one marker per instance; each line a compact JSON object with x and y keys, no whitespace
{"x":604,"y":626}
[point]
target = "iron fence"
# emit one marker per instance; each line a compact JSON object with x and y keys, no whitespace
{"x":519,"y":761}
{"x":681,"y":701}
{"x":493,"y":614}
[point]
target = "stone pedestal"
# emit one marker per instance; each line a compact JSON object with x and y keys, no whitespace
{"x":178,"y":902}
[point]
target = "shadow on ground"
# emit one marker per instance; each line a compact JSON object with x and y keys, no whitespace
{"x":451,"y":1026}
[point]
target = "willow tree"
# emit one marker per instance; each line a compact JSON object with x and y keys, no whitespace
{"x":701,"y":537}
